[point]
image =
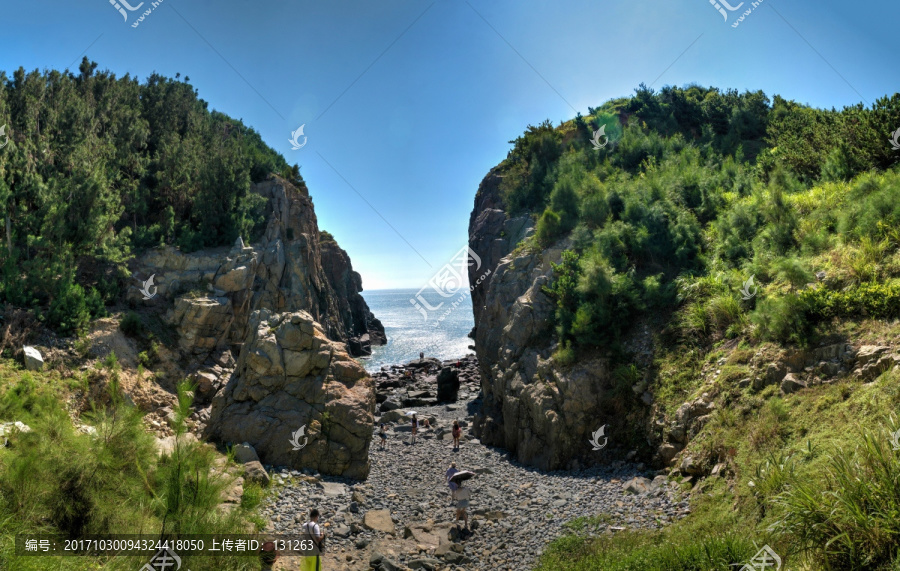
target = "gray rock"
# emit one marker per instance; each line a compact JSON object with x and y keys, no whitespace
{"x":790,"y":384}
{"x":33,"y":359}
{"x":244,"y":453}
{"x":254,"y":472}
{"x":637,"y":486}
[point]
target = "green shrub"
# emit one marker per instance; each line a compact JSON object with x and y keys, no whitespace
{"x":69,"y":311}
{"x":548,"y":228}
{"x":784,"y":319}
{"x":131,"y":324}
{"x":851,"y":523}
{"x":876,"y":300}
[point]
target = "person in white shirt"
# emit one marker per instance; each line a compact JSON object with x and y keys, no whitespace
{"x":317,"y":534}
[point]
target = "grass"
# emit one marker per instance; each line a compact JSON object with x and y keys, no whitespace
{"x":57,"y":480}
{"x":811,"y":474}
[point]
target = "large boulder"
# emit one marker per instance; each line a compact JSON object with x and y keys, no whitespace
{"x":33,"y":359}
{"x":298,"y":398}
{"x":447,"y":384}
{"x":201,"y":322}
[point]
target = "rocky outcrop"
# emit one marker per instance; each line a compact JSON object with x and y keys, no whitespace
{"x":492,"y":235}
{"x":540,"y":413}
{"x":292,"y":267}
{"x":297,"y":398}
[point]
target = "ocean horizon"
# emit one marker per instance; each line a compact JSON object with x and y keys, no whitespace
{"x":441,"y":332}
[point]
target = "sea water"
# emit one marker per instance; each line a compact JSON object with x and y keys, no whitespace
{"x":441,"y":333}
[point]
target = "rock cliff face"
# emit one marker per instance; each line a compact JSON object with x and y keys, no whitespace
{"x":289,"y":307}
{"x":543,"y":415}
{"x":290,"y":377}
{"x":291,"y":268}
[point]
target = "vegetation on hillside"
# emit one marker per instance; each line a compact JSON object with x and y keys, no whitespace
{"x":693,"y":192}
{"x":60,"y":481}
{"x":97,"y":167}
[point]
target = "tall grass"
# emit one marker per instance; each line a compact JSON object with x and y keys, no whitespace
{"x":59,"y":481}
{"x":850,"y":519}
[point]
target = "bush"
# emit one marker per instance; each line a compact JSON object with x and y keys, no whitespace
{"x":876,"y":300}
{"x":548,"y":228}
{"x":783,"y":319}
{"x":69,"y":312}
{"x":851,"y":523}
{"x":131,"y":324}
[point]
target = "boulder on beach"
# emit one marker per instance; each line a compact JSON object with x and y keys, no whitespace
{"x":447,"y":384}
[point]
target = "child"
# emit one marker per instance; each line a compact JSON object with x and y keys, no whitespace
{"x":382,"y":433}
{"x":457,"y":433}
{"x":415,"y":427}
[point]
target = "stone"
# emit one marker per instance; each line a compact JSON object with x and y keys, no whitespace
{"x":870,"y":353}
{"x":166,"y":446}
{"x":235,"y":280}
{"x":667,"y":452}
{"x":427,"y":564}
{"x":334,"y":402}
{"x":448,"y":384}
{"x":790,"y":384}
{"x":255,"y":472}
{"x":379,"y":520}
{"x":690,"y":466}
{"x":332,"y":489}
{"x":244,"y":453}
{"x":636,"y":485}
{"x":8,"y":428}
{"x":341,"y":530}
{"x":33,"y":359}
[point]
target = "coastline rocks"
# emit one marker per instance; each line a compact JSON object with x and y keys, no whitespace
{"x":447,"y":385}
{"x":289,"y":377}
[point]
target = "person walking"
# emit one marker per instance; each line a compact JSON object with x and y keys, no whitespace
{"x":415,"y":428}
{"x":452,"y":485}
{"x":382,"y":434}
{"x":317,"y":535}
{"x":456,"y":433}
{"x":462,"y":495}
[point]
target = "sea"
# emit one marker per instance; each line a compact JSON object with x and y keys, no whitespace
{"x":441,"y":332}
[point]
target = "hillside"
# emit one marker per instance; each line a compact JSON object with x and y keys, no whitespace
{"x":98,"y":168}
{"x":712,"y":276}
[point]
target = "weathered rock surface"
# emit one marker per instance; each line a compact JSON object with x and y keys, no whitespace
{"x":543,"y":415}
{"x":447,"y":384}
{"x":293,"y":267}
{"x":290,"y":375}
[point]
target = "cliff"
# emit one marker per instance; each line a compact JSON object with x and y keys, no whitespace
{"x":266,"y":332}
{"x":290,"y":268}
{"x":544,"y":416}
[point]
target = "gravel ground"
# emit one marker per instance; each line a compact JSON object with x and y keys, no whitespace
{"x":514,"y":512}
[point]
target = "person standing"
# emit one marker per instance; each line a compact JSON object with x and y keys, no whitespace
{"x":462,"y":495}
{"x":415,"y":428}
{"x":382,"y":433}
{"x":452,"y":485}
{"x":457,"y":433}
{"x":317,"y":535}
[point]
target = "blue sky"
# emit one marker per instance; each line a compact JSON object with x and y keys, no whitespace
{"x":408,"y":103}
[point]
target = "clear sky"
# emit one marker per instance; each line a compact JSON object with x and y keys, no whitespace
{"x":408,"y":103}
